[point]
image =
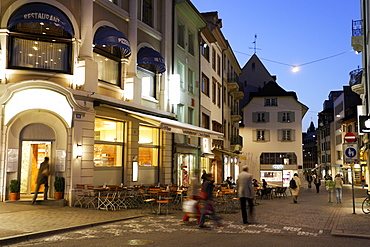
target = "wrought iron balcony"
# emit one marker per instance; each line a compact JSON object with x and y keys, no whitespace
{"x":232,"y":82}
{"x":355,"y":77}
{"x":236,"y":114}
{"x":357,"y":36}
{"x":236,"y":140}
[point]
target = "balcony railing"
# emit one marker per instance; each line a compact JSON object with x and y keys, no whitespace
{"x":355,"y":77}
{"x":236,"y":140}
{"x":357,"y":28}
{"x":236,"y":111}
{"x":231,"y":77}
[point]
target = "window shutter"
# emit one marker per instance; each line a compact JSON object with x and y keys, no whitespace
{"x":267,"y":135}
{"x":292,"y":135}
{"x":280,"y":135}
{"x":280,"y":116}
{"x":292,"y":116}
{"x":267,"y":117}
{"x":254,"y":135}
{"x":254,"y":117}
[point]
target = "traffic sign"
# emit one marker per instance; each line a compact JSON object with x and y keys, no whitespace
{"x":350,"y":152}
{"x":350,"y":137}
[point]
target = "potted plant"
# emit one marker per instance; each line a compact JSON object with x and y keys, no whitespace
{"x":15,"y":188}
{"x":59,"y":187}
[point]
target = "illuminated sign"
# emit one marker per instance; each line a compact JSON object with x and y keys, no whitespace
{"x":278,"y":167}
{"x":37,"y":98}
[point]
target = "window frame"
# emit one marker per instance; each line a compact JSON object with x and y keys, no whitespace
{"x":37,"y":38}
{"x":205,"y":85}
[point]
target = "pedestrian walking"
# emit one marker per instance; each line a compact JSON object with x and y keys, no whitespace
{"x":208,"y":208}
{"x":329,"y":185}
{"x":42,"y":178}
{"x":317,"y":182}
{"x":245,"y":193}
{"x":363,"y":181}
{"x":309,"y":180}
{"x":193,"y":194}
{"x":295,"y":184}
{"x":338,"y":186}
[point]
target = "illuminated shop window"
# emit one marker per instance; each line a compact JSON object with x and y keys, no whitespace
{"x":108,"y":69}
{"x":108,"y":143}
{"x":40,"y":43}
{"x":148,"y":150}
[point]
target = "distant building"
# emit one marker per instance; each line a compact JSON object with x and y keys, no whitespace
{"x":272,"y":133}
{"x":310,"y":148}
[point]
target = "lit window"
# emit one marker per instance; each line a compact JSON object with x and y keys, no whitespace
{"x":148,"y":149}
{"x":108,"y":143}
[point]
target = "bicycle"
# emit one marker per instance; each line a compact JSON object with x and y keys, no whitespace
{"x":366,"y":204}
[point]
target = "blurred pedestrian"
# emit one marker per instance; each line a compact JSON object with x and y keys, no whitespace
{"x":246,"y":193}
{"x":363,"y":181}
{"x":264,"y":184}
{"x":42,"y":178}
{"x":317,"y":182}
{"x":208,"y":208}
{"x":338,"y":186}
{"x":329,"y":185}
{"x":309,"y":180}
{"x":193,"y":194}
{"x":295,"y":187}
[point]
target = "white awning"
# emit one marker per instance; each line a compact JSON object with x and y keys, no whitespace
{"x":177,"y":127}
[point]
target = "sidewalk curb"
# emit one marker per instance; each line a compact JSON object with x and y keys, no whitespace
{"x":339,"y":233}
{"x":29,"y":236}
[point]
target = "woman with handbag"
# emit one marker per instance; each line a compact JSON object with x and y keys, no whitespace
{"x":42,"y":178}
{"x":207,"y":201}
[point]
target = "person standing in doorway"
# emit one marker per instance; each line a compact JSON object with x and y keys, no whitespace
{"x":338,"y":185}
{"x":42,"y":178}
{"x":246,"y":193}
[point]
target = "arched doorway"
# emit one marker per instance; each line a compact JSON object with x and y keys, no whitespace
{"x":36,"y":144}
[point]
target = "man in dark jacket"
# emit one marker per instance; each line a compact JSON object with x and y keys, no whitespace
{"x":42,"y":178}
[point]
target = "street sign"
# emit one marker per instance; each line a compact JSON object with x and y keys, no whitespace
{"x":350,"y":137}
{"x":350,"y":152}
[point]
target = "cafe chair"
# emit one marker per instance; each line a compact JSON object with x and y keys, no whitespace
{"x":91,"y":198}
{"x":280,"y":192}
{"x":80,"y":195}
{"x":267,"y":193}
{"x":163,"y":201}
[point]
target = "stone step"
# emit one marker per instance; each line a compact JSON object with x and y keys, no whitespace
{"x":49,"y":202}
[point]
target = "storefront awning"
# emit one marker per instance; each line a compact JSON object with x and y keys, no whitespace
{"x":110,"y":36}
{"x":43,"y":13}
{"x":225,"y":151}
{"x":147,"y":55}
{"x":174,"y":126}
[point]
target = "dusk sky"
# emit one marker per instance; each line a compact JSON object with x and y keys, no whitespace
{"x":294,"y":32}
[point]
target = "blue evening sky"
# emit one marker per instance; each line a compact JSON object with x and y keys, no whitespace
{"x":294,"y":32}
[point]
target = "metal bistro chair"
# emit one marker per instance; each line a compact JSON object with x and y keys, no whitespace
{"x":90,"y":197}
{"x":163,"y":201}
{"x":79,"y":195}
{"x":267,"y":193}
{"x":280,"y":192}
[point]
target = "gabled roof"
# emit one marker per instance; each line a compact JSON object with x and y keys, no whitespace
{"x":272,"y":89}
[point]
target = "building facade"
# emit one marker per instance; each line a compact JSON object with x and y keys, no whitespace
{"x":88,"y":84}
{"x":272,"y":134}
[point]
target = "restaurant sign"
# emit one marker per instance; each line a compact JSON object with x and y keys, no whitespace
{"x":190,"y":132}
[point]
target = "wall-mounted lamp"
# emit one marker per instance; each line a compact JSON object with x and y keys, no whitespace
{"x":79,"y":150}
